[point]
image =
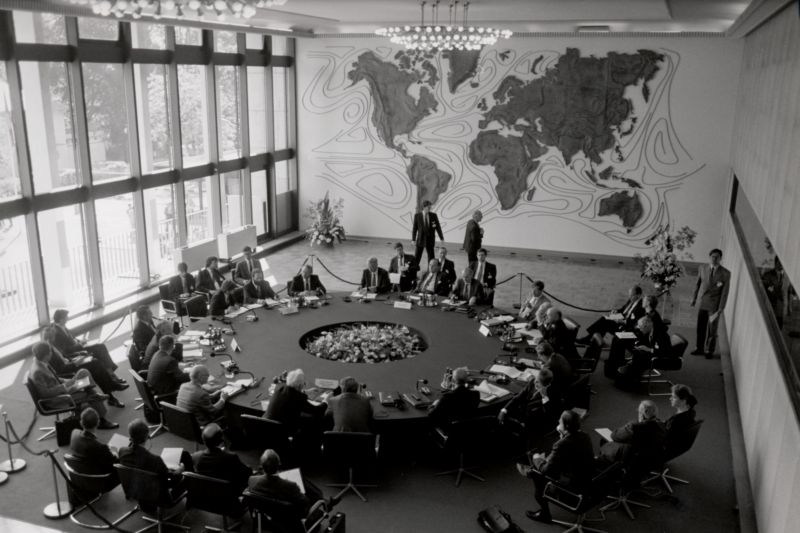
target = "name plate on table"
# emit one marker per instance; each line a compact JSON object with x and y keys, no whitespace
{"x":483,"y":330}
{"x":235,"y":346}
{"x":402,"y":305}
{"x":288,"y":310}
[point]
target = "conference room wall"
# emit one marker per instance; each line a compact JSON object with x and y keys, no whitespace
{"x":688,"y":128}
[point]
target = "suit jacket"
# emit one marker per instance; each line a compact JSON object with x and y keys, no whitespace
{"x":176,"y":285}
{"x":288,"y":404}
{"x":143,"y":332}
{"x":449,"y":270}
{"x":45,"y":381}
{"x":679,"y":422}
{"x":472,"y":237}
{"x":438,"y":285}
{"x":489,"y":274}
{"x":458,"y":404}
{"x":244,"y":270}
{"x":152,"y":348}
{"x":314,"y":282}
{"x":65,"y":341}
{"x":408,"y":277}
{"x":562,"y":374}
{"x":659,"y":341}
{"x":529,"y":400}
{"x":164,"y":375}
{"x":632,"y":310}
{"x":350,"y":412}
{"x":257,"y":291}
{"x":383,"y":280}
{"x":532,"y":303}
{"x":475,"y":289}
{"x":570,"y":461}
{"x":713,"y":290}
{"x":220,"y":301}
{"x":422,"y":235}
{"x":560,"y":338}
{"x":642,"y":443}
{"x":209,"y":280}
{"x":222,"y":464}
{"x":277,"y":488}
{"x":95,"y":455}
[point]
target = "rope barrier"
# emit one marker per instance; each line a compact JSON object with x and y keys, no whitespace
{"x":334,"y":275}
{"x":27,"y":431}
{"x":121,"y":320}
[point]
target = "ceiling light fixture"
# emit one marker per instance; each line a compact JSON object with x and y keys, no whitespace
{"x":450,"y":36}
{"x":178,"y":8}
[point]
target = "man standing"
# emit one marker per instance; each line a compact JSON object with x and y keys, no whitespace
{"x":423,"y":233}
{"x":404,"y":264}
{"x":245,"y":267}
{"x":473,"y":237}
{"x":486,"y":273}
{"x":713,"y":283}
{"x":374,"y":278}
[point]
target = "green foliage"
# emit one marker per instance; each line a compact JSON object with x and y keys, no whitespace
{"x":663,"y":265}
{"x":325,"y":225}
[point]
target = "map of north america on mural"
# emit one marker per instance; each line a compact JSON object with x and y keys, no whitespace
{"x":588,"y":138}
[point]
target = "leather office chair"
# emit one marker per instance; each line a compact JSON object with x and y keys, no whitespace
{"x":661,"y":364}
{"x":634,"y":470}
{"x":464,"y":437}
{"x":676,"y":446}
{"x":591,"y":357}
{"x":581,"y":503}
{"x":352,"y":450}
{"x":280,"y":515}
{"x":150,"y":401}
{"x":213,"y":496}
{"x":578,"y":393}
{"x":262,"y":434}
{"x":572,"y":326}
{"x":182,"y":423}
{"x":56,"y":405}
{"x":151,"y":496}
{"x":87,"y":489}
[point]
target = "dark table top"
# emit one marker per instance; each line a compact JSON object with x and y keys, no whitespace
{"x":271,"y":346}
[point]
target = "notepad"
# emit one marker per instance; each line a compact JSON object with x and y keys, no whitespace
{"x":323,"y":383}
{"x":604,"y":432}
{"x":491,"y":392}
{"x":172,"y":457}
{"x":82,"y":383}
{"x":509,"y":371}
{"x":117,"y":442}
{"x":626,"y":335}
{"x":394,"y":278}
{"x":294,"y":476}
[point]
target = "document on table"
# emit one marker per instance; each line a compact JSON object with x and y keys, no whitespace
{"x":519,"y":325}
{"x":534,"y":334}
{"x":192,"y":354}
{"x":604,"y":432}
{"x":234,"y":314}
{"x":509,"y":371}
{"x":394,"y":278}
{"x":189,"y":333}
{"x":490,"y":392}
{"x":616,"y":317}
{"x":312,"y":298}
{"x":530,"y":363}
{"x":270,"y":303}
{"x":323,"y":383}
{"x":294,"y":476}
{"x":448,"y":301}
{"x":117,"y":442}
{"x":626,"y":335}
{"x":528,"y":374}
{"x":172,"y":457}
{"x":497,"y":320}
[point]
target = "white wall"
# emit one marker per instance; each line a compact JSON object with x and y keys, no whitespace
{"x":678,"y":150}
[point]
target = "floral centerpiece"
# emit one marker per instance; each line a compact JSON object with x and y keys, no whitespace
{"x":366,"y":343}
{"x":663,"y":265}
{"x":325,"y":224}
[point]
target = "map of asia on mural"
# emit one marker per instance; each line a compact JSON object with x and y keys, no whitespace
{"x":517,"y":134}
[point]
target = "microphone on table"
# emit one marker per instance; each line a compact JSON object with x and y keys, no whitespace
{"x":252,"y":317}
{"x":255,"y":383}
{"x":424,"y":389}
{"x":231,"y":366}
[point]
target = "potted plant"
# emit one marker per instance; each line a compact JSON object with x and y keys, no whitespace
{"x":663,"y":265}
{"x":325,"y":223}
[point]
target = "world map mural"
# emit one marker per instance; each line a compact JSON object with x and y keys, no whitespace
{"x":517,"y":134}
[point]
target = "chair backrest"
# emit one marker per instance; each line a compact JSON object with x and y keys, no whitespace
{"x":47,"y":406}
{"x":87,"y":484}
{"x":164,"y":291}
{"x":142,"y":486}
{"x":145,"y":393}
{"x":181,"y":422}
{"x":578,"y":392}
{"x":471,"y":432}
{"x":593,"y":351}
{"x":681,"y":442}
{"x":210,"y":494}
{"x":581,"y":500}
{"x":282,"y":514}
{"x":679,"y":344}
{"x":135,"y":356}
{"x":263,"y":433}
{"x":350,"y":448}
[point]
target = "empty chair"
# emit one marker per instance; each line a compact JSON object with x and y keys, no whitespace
{"x":677,"y":444}
{"x":150,"y":402}
{"x":463,"y":437}
{"x":579,"y":393}
{"x":57,"y":405}
{"x":351,"y":450}
{"x":572,"y":326}
{"x":151,"y":497}
{"x":662,"y":364}
{"x":583,"y":502}
{"x":215,"y":496}
{"x":280,"y":515}
{"x":87,"y":489}
{"x":262,"y":434}
{"x":182,"y":423}
{"x":591,"y":356}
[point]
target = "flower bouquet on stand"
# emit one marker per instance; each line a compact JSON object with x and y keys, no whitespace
{"x":663,"y":264}
{"x":325,"y":224}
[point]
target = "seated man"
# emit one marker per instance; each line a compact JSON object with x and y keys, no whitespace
{"x":209,"y":279}
{"x":164,"y":328}
{"x":637,"y":444}
{"x":649,"y":343}
{"x":183,"y":284}
{"x":164,"y":375}
{"x":534,"y":406}
{"x":306,"y":283}
{"x":257,"y":289}
{"x":486,"y":273}
{"x":558,"y":365}
{"x":405,"y":265}
{"x":433,"y":281}
{"x":447,"y":267}
{"x":289,"y":402}
{"x":458,"y":404}
{"x":272,"y":485}
{"x":228,"y":298}
{"x":570,"y":462}
{"x":349,"y":410}
{"x":651,"y":312}
{"x":374,"y":278}
{"x":68,"y":344}
{"x":540,"y":317}
{"x":556,"y":332}
{"x":145,"y":328}
{"x":245,"y":268}
{"x":194,"y":397}
{"x":534,"y":300}
{"x":218,"y":463}
{"x":95,"y":457}
{"x":138,"y":456}
{"x":631,"y":311}
{"x":182,"y":292}
{"x":467,"y":289}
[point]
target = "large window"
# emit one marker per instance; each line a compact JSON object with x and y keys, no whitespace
{"x":232,"y":200}
{"x":116,"y":236}
{"x":225,"y":41}
{"x":62,"y":245}
{"x":17,"y":297}
{"x":228,"y":113}
{"x":280,"y":109}
{"x":258,"y":186}
{"x":153,"y":116}
{"x":187,"y":36}
{"x":194,"y":114}
{"x":104,"y":93}
{"x":161,"y":228}
{"x":97,"y":28}
{"x":199,"y":221}
{"x":9,"y":167}
{"x":148,"y":36}
{"x":43,"y":28}
{"x":257,"y":108}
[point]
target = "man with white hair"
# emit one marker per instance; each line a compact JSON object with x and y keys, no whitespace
{"x":473,"y":237}
{"x":289,"y":403}
{"x":639,"y":442}
{"x":193,"y":397}
{"x":375,"y":278}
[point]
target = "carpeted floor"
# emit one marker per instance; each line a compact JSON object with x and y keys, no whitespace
{"x":410,"y":498}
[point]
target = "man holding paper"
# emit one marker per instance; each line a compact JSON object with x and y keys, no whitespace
{"x":404,"y":265}
{"x":467,"y":289}
{"x":374,"y":278}
{"x":193,"y":397}
{"x":534,"y":406}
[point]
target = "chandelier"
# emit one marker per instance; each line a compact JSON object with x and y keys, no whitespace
{"x":222,"y":9}
{"x":450,"y":36}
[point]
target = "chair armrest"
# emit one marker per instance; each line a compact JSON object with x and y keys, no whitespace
{"x":67,"y":397}
{"x":377,"y":444}
{"x":563,"y":497}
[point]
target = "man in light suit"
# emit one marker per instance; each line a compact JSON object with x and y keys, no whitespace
{"x":245,"y":267}
{"x":486,"y":273}
{"x":375,"y":278}
{"x":307,"y":283}
{"x":433,"y":281}
{"x":467,"y":288}
{"x":473,"y":237}
{"x":713,"y":283}
{"x":535,"y":299}
{"x":423,"y":233}
{"x":257,"y":289}
{"x":405,"y":265}
{"x":446,"y":266}
{"x":349,"y":410}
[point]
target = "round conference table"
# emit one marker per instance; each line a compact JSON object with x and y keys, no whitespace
{"x":271,"y":346}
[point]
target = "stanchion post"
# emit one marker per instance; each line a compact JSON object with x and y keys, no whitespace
{"x":11,"y":465}
{"x":57,"y":509}
{"x":519,"y":306}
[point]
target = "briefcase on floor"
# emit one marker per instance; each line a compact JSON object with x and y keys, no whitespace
{"x":336,"y":524}
{"x":495,"y":520}
{"x":64,"y":429}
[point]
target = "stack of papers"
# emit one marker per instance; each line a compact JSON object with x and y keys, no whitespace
{"x":626,"y":335}
{"x":270,"y":303}
{"x":616,"y":317}
{"x":509,"y":371}
{"x":490,"y":392}
{"x":172,"y":457}
{"x":528,"y":374}
{"x":497,"y":320}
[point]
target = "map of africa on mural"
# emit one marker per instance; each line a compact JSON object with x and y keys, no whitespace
{"x":515,"y":134}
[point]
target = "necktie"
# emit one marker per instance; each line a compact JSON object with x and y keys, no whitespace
{"x":427,"y":225}
{"x":307,"y":284}
{"x":466,"y":290}
{"x":184,"y":284}
{"x":375,"y":279}
{"x":713,"y":271}
{"x":479,"y":274}
{"x":258,"y":291}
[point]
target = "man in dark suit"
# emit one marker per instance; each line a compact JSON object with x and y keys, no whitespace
{"x":145,"y":328}
{"x":570,"y":462}
{"x":486,"y":273}
{"x":447,"y":267}
{"x":637,"y":444}
{"x":631,"y":311}
{"x":289,"y":403}
{"x":467,"y":289}
{"x":375,"y":278}
{"x":307,"y":283}
{"x":433,"y":281}
{"x":271,"y":485}
{"x":405,"y":265}
{"x":556,"y":332}
{"x":228,"y":297}
{"x":460,"y":403}
{"x":163,"y":329}
{"x":777,"y":286}
{"x":181,"y":291}
{"x":349,"y":410}
{"x":183,"y":284}
{"x":95,"y":458}
{"x":558,"y":365}
{"x":164,"y":375}
{"x":649,"y":343}
{"x":65,"y":341}
{"x":218,"y":463}
{"x":209,"y":279}
{"x":534,"y":406}
{"x":713,"y":283}
{"x":423,"y":233}
{"x":257,"y":289}
{"x":245,"y":268}
{"x":473,"y":237}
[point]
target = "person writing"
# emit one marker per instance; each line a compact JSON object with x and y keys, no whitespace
{"x":467,"y":289}
{"x":193,"y":396}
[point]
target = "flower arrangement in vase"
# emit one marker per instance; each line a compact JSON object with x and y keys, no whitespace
{"x":663,"y":265}
{"x":325,"y":224}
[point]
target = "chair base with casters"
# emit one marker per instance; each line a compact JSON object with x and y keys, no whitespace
{"x":583,"y":503}
{"x":279,"y":514}
{"x":577,"y":526}
{"x":78,"y":510}
{"x":146,"y":489}
{"x":160,"y":521}
{"x":351,"y":485}
{"x":351,"y":449}
{"x":88,"y":489}
{"x":665,"y":478}
{"x":460,"y":472}
{"x":623,"y":500}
